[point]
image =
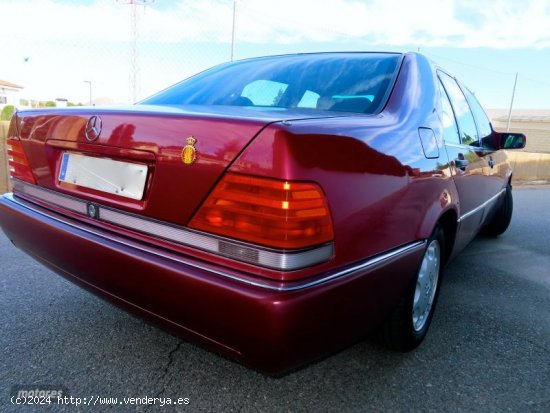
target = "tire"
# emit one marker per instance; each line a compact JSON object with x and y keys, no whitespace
{"x":407,"y":326}
{"x":503,"y":215}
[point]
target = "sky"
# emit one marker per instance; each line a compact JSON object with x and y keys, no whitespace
{"x":55,"y":47}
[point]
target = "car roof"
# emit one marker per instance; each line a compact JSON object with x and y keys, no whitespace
{"x":319,"y":54}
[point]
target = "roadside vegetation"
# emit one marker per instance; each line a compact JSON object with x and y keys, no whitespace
{"x":7,"y":112}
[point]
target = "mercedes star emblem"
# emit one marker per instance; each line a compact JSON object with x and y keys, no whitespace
{"x":93,"y":128}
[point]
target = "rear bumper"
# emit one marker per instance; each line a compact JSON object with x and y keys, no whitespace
{"x":269,"y":329}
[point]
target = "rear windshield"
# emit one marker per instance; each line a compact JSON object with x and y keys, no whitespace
{"x":353,"y":82}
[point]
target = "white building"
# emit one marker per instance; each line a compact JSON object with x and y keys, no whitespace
{"x":61,"y":102}
{"x":9,"y":93}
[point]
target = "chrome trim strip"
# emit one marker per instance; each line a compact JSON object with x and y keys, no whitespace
{"x":269,"y":285}
{"x":240,"y":251}
{"x":373,"y":262}
{"x":469,"y":147}
{"x":482,"y":206}
{"x":53,"y":198}
{"x":460,"y":145}
{"x":160,"y":230}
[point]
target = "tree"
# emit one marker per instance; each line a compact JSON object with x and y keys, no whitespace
{"x":7,"y":112}
{"x":277,"y":98}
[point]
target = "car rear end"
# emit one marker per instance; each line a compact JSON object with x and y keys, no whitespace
{"x":207,"y":222}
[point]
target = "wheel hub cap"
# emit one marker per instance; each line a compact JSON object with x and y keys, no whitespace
{"x":426,"y":285}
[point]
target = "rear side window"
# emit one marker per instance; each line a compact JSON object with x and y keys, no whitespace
{"x":463,"y":114}
{"x":309,"y":100}
{"x":450,"y":131}
{"x":341,"y":82}
{"x":264,"y":92}
{"x":483,"y":123}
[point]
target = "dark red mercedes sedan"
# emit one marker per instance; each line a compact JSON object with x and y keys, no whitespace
{"x":274,"y":209}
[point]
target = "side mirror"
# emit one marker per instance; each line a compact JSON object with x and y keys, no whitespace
{"x":510,"y":140}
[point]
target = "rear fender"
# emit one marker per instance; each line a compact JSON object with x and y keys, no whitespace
{"x":442,"y":209}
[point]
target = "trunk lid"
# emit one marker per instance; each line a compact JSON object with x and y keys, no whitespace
{"x":151,"y":137}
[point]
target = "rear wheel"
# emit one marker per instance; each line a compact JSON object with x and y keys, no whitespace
{"x":408,"y":324}
{"x":503,"y":215}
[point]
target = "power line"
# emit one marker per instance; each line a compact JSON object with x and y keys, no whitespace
{"x":469,"y":64}
{"x":486,"y":69}
{"x":536,"y":81}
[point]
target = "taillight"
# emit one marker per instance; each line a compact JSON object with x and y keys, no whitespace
{"x":269,"y":212}
{"x":18,"y":163}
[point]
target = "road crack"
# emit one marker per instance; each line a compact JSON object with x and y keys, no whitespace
{"x":162,"y":379}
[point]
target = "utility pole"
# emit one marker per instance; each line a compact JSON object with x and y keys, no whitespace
{"x":233,"y":30}
{"x":512,"y":103}
{"x":89,"y":82}
{"x":134,"y":64}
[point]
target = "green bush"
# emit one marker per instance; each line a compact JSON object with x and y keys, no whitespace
{"x":7,"y":112}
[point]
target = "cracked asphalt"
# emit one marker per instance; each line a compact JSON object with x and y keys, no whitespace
{"x":488,"y":348}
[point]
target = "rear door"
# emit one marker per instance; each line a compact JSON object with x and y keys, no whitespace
{"x":498,"y":169}
{"x":469,"y":165}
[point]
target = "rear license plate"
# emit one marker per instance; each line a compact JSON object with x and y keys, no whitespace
{"x":106,"y":175}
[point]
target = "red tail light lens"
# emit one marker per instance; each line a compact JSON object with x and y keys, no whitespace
{"x":17,"y":161}
{"x":270,"y":212}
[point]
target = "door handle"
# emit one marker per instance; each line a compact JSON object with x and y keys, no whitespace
{"x":461,"y":163}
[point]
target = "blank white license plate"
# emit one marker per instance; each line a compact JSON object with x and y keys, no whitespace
{"x":107,"y":175}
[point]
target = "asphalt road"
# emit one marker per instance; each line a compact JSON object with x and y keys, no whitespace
{"x":488,"y":348}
